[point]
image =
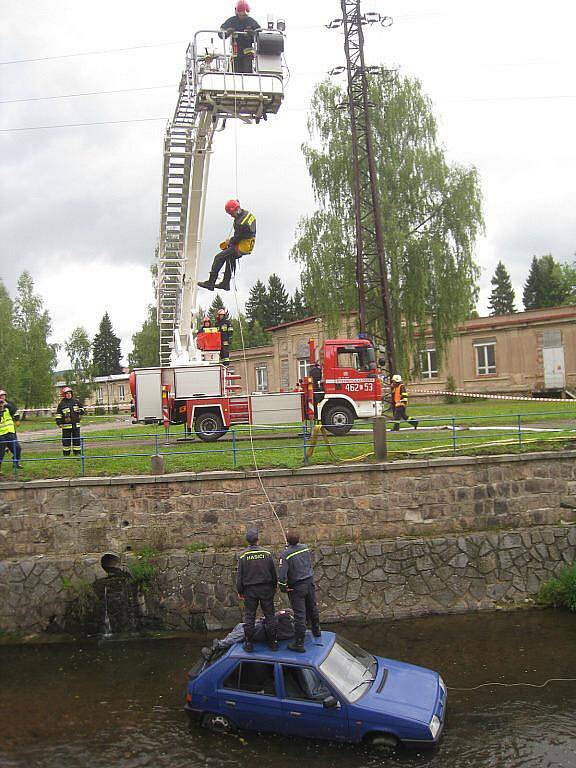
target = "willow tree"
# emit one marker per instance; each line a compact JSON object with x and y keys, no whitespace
{"x":431,"y":213}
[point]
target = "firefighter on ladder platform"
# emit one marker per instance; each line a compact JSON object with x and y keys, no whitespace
{"x":241,"y":27}
{"x":224,"y":326}
{"x":241,"y":243}
{"x":399,"y":402}
{"x":208,"y":337}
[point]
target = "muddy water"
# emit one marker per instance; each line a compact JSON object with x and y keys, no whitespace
{"x":120,"y":704}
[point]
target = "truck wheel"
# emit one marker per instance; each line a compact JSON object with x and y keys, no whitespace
{"x":209,"y":426}
{"x":217,"y":723}
{"x":338,"y":419}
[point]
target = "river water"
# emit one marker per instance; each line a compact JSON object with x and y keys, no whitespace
{"x":120,"y":703}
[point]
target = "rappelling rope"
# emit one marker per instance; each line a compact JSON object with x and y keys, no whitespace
{"x":256,"y":467}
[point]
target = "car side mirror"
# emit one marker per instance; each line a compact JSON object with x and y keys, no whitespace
{"x":330,"y":702}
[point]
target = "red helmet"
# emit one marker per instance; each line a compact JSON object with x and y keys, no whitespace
{"x":242,"y":5}
{"x":65,"y":390}
{"x":221,"y":313}
{"x":205,"y":320}
{"x":232,"y":205}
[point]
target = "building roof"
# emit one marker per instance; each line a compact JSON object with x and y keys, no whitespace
{"x":292,"y":322}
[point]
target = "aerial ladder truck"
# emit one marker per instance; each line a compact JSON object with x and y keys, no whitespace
{"x":190,"y":386}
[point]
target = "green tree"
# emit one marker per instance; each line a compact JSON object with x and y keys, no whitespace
{"x":278,"y":304}
{"x":106,"y":350}
{"x":215,"y":306}
{"x":79,"y":349}
{"x":146,"y":343}
{"x":502,"y":297}
{"x":298,"y":310}
{"x":547,"y":284}
{"x":35,"y":357}
{"x":431,"y":215}
{"x":8,"y":345}
{"x":256,"y":306}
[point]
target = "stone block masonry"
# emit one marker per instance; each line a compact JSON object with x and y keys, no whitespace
{"x":394,"y":539}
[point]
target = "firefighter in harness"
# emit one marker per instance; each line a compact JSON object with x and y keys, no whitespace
{"x":241,"y":243}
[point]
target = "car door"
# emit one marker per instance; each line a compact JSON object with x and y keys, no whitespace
{"x":248,"y":696}
{"x":304,"y":692}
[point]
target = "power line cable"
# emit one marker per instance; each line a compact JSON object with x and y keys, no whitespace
{"x":87,"y":93}
{"x":92,"y":53}
{"x":77,"y":125}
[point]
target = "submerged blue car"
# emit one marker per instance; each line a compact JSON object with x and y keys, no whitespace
{"x":335,"y":690}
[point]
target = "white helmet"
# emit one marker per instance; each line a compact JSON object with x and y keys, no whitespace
{"x":397,"y":379}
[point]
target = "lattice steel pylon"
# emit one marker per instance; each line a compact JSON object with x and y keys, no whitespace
{"x":371,"y":263}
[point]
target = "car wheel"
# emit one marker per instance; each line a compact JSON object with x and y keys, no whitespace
{"x":383,"y":743}
{"x":209,"y":426}
{"x":338,"y":419}
{"x":217,"y":723}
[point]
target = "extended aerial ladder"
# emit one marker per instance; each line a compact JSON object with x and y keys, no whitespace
{"x":209,"y":94}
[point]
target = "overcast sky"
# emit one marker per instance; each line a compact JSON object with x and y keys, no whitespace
{"x":80,"y":205}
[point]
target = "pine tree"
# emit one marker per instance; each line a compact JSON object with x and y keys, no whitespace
{"x":106,"y":350}
{"x":33,"y":355}
{"x":146,"y":343}
{"x":502,"y":297}
{"x":547,"y":284}
{"x":215,"y":306}
{"x":298,"y":309}
{"x":278,"y":305}
{"x":256,"y":306}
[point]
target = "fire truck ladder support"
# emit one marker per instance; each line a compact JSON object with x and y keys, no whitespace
{"x":209,"y":93}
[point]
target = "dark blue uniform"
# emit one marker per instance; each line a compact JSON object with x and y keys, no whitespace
{"x":296,"y":577}
{"x":256,"y":582}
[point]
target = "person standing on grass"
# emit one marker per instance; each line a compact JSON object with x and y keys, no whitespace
{"x":8,"y":422}
{"x":68,"y":415}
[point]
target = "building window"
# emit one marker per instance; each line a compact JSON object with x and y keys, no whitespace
{"x":261,"y":378}
{"x":429,"y":364}
{"x":121,"y":392}
{"x":100,"y":395}
{"x":284,"y":375}
{"x":485,"y":358}
{"x":303,"y":367}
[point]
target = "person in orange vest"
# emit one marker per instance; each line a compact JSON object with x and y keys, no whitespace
{"x":400,"y":402}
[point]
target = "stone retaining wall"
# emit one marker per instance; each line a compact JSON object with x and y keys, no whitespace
{"x":391,"y":539}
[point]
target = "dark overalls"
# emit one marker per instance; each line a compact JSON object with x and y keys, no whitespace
{"x":226,"y":331}
{"x":296,"y":577}
{"x":68,"y":415}
{"x":256,"y":582}
{"x":241,"y":243}
{"x":242,"y":44}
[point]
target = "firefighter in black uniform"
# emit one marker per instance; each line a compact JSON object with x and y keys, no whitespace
{"x":256,"y":582}
{"x":224,"y":325}
{"x":315,"y":373}
{"x":296,"y":577}
{"x":241,"y":27}
{"x":68,"y":415}
{"x":241,"y":242}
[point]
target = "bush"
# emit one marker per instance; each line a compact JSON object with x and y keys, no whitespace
{"x":144,"y":568}
{"x":451,"y":387}
{"x":560,"y":592}
{"x":81,"y":595}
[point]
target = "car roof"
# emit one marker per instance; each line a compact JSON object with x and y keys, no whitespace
{"x":316,"y":650}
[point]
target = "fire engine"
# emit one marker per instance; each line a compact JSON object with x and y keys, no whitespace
{"x":190,"y":386}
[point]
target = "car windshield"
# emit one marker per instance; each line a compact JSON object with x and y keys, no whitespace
{"x":349,"y":668}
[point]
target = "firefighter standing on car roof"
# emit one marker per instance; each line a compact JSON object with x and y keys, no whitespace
{"x":296,"y":578}
{"x":241,"y":27}
{"x":241,"y":243}
{"x":400,"y":402}
{"x":256,"y":582}
{"x":68,"y":415}
{"x":224,"y":325}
